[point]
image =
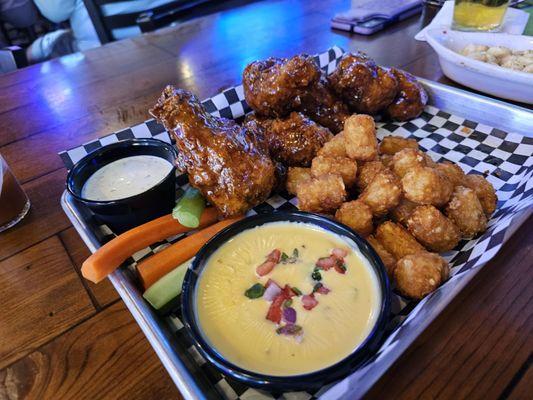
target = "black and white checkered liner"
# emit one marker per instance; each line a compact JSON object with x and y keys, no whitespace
{"x":505,"y":158}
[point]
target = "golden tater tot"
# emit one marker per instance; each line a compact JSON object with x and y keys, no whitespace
{"x":357,"y":215}
{"x":360,"y":137}
{"x":324,"y":194}
{"x":367,"y":172}
{"x":431,"y":228}
{"x":485,"y":192}
{"x":407,"y":160}
{"x":386,"y":159}
{"x":393,"y":144}
{"x":419,"y":274}
{"x":383,"y":193}
{"x":335,"y":147}
{"x":387,"y":258}
{"x":295,"y":176}
{"x":397,"y":240}
{"x":465,"y":210}
{"x":425,"y":185}
{"x":453,"y":172}
{"x":402,"y":211}
{"x":343,"y":166}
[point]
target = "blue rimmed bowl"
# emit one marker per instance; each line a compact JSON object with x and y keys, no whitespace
{"x":293,"y":382}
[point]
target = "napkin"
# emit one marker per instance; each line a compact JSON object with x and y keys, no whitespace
{"x":514,"y":23}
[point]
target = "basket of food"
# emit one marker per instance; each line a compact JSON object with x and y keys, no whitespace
{"x":327,"y":210}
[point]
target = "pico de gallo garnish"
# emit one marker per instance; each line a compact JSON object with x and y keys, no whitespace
{"x":281,"y":298}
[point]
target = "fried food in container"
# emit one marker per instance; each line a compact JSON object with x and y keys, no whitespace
{"x":386,"y":159}
{"x":407,"y":160}
{"x":343,"y":166}
{"x":293,"y":140}
{"x":465,"y":210}
{"x":485,"y":192}
{"x":393,"y":144}
{"x":295,"y":177}
{"x":364,"y":86}
{"x":360,"y":138}
{"x":410,"y":100}
{"x":272,"y":87}
{"x":324,"y":194}
{"x":403,"y":211}
{"x":323,"y":106}
{"x":366,"y":173}
{"x":425,"y":185}
{"x":224,"y":161}
{"x":397,"y":240}
{"x":357,"y":215}
{"x":387,"y":258}
{"x":419,"y":274}
{"x":431,"y":228}
{"x":334,"y":147}
{"x":453,"y":172}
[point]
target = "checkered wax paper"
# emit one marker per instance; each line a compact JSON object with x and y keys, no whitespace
{"x":505,"y":158}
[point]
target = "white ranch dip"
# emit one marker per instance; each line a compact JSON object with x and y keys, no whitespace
{"x":125,"y":178}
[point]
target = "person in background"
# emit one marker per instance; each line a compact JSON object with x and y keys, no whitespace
{"x":18,"y":14}
{"x":81,"y":35}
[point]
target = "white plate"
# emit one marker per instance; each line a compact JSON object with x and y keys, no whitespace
{"x":485,"y":77}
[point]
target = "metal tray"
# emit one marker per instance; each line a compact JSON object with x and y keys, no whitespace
{"x":474,"y":107}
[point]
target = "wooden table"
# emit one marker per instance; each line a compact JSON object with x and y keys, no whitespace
{"x":65,"y":338}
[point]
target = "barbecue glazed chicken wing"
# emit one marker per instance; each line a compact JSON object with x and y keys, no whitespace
{"x":411,"y":98}
{"x":323,"y":106}
{"x":272,"y":87}
{"x":223,"y":160}
{"x":293,"y":141}
{"x":364,"y":86}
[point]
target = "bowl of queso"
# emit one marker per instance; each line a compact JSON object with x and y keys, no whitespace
{"x":127,"y":183}
{"x":286,"y":301}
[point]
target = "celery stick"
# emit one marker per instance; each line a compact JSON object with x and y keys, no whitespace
{"x":189,"y":208}
{"x":167,"y":288}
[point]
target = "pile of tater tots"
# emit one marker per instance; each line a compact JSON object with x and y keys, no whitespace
{"x":408,"y":207}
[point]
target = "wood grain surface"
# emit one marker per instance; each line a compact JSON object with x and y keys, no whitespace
{"x":63,"y":338}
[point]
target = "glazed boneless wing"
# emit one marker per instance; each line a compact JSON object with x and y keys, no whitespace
{"x":223,"y":160}
{"x":411,"y":98}
{"x":272,"y":87}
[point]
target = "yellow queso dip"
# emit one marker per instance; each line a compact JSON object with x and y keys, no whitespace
{"x":237,"y":325}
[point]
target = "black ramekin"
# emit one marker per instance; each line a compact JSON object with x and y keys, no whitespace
{"x":295,"y":382}
{"x":123,"y":214}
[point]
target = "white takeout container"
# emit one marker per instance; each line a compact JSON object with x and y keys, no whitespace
{"x":488,"y":78}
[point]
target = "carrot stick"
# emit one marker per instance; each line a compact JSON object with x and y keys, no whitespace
{"x":158,"y":265}
{"x":109,"y":257}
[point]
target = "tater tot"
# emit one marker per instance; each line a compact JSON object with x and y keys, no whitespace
{"x":383,"y":193}
{"x":407,"y":160}
{"x":485,"y":192}
{"x":386,"y":159}
{"x":431,"y":228}
{"x":453,"y":172}
{"x":296,"y":176}
{"x":343,"y":166}
{"x":419,"y":274}
{"x":393,"y":144}
{"x":357,"y":215}
{"x":397,"y":240}
{"x":387,"y":258}
{"x":465,"y":210}
{"x":324,"y":194}
{"x":425,"y":185}
{"x":367,"y":172}
{"x":335,"y":147}
{"x":402,"y":211}
{"x":360,"y":138}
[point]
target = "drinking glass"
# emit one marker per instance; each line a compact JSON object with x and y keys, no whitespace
{"x":479,"y":15}
{"x":14,"y":204}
